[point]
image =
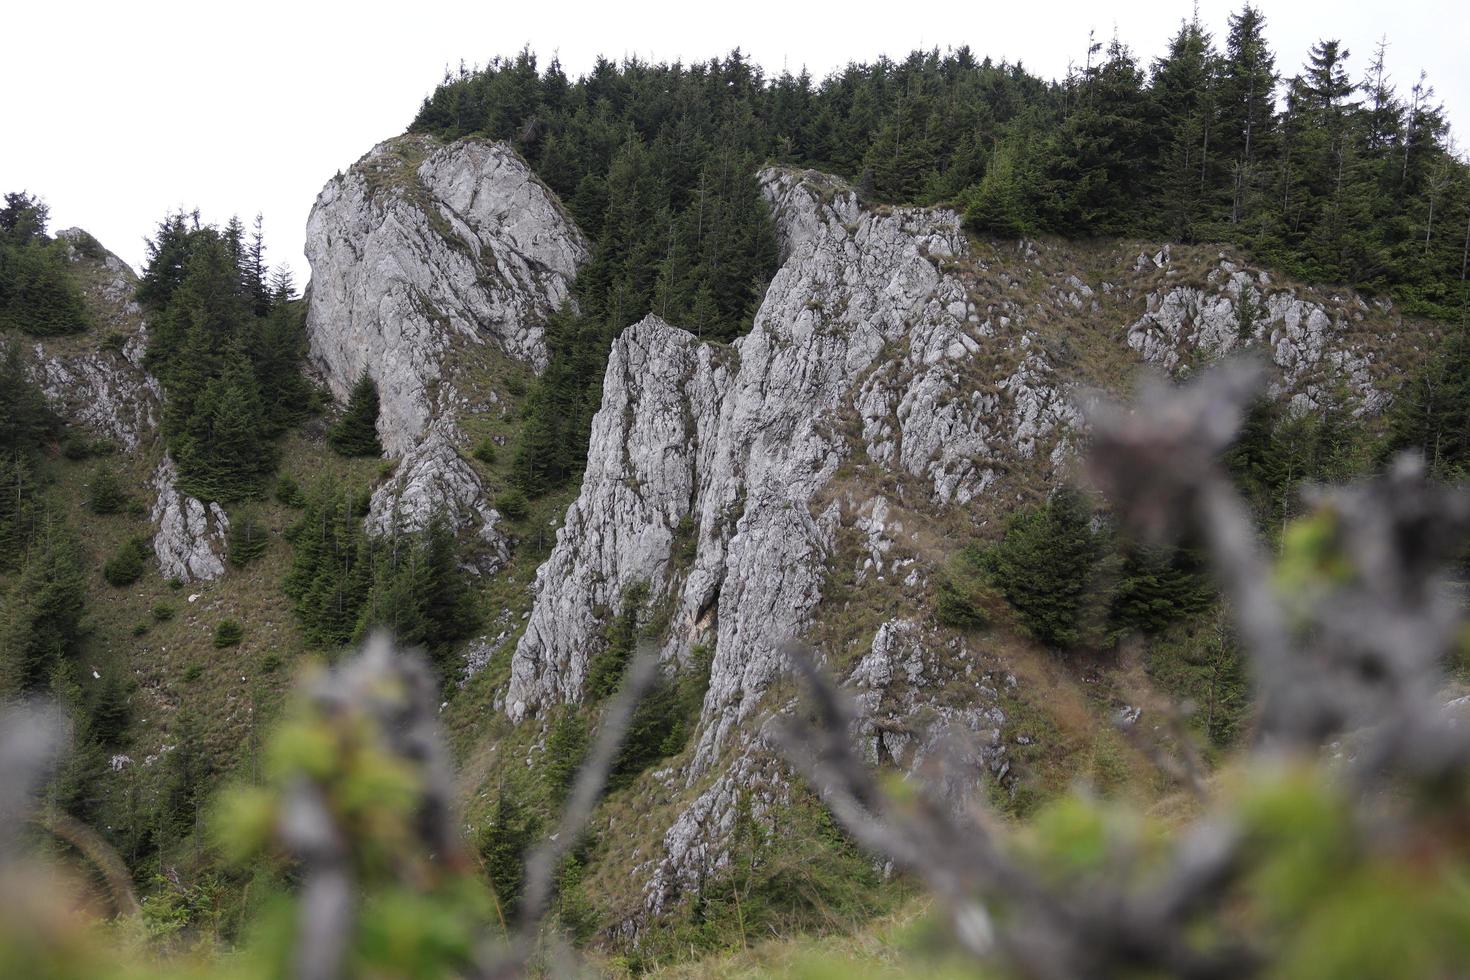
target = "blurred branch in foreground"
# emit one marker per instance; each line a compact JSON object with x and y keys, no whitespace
{"x":1335,"y":847}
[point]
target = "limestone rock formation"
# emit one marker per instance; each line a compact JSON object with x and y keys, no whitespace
{"x":97,"y":380}
{"x":434,"y":479}
{"x":190,"y":536}
{"x":419,"y":247}
{"x":1310,"y":340}
{"x":711,"y":469}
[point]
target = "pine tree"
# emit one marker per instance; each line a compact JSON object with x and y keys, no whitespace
{"x":1184,"y":91}
{"x":105,"y":493}
{"x":1247,"y":100}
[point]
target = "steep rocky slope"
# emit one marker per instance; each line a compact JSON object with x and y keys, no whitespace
{"x":900,"y":384}
{"x":902,"y":388}
{"x":97,"y":381}
{"x":418,"y":252}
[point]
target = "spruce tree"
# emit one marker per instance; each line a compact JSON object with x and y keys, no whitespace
{"x":1045,"y":567}
{"x":356,"y":432}
{"x":42,"y":624}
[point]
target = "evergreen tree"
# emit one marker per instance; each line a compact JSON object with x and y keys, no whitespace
{"x":1247,"y":103}
{"x":331,"y":567}
{"x":105,"y":494}
{"x":504,"y":842}
{"x":356,"y":432}
{"x":1185,"y":96}
{"x":37,"y":293}
{"x":42,"y":624}
{"x":226,"y":341}
{"x":1431,"y":413}
{"x":1045,"y":567}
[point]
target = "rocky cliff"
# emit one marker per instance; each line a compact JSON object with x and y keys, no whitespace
{"x":98,"y":382}
{"x":898,"y":382}
{"x":419,"y":247}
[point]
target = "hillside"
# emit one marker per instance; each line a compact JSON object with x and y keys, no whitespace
{"x":548,"y":402}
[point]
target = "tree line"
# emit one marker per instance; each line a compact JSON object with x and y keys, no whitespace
{"x":1329,"y":176}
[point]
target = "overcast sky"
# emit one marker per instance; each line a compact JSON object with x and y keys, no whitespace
{"x":118,"y":112}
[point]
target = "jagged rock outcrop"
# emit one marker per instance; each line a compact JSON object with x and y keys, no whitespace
{"x":189,"y":536}
{"x":97,"y":380}
{"x":901,"y":718}
{"x":710,"y":468}
{"x":1309,"y":340}
{"x":420,"y":246}
{"x":738,"y":449}
{"x":433,"y":479}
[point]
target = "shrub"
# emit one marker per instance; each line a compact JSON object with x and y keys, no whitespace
{"x":75,"y":446}
{"x":486,"y":451}
{"x":289,"y":492}
{"x":228,"y":633}
{"x":964,"y":592}
{"x":105,"y":494}
{"x":605,"y":672}
{"x":503,"y":844}
{"x":195,"y":671}
{"x":163,"y":612}
{"x":126,"y":567}
{"x":565,"y":747}
{"x":513,"y":504}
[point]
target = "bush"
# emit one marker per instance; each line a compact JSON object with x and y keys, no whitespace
{"x":163,"y":612}
{"x":605,"y":672}
{"x":565,"y":747}
{"x":503,"y":844}
{"x":75,"y":446}
{"x":105,"y":494}
{"x":126,"y":567}
{"x":289,"y":492}
{"x":228,"y":633}
{"x":486,"y":451}
{"x":964,"y":592}
{"x":195,"y":671}
{"x":513,"y":504}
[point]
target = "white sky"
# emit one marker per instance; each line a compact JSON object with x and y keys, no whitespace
{"x":118,"y":112}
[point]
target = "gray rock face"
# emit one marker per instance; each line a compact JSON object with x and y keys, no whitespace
{"x":190,"y":536}
{"x":420,"y":246}
{"x":1308,"y":343}
{"x":658,"y":422}
{"x":102,"y":388}
{"x":902,"y":721}
{"x":106,"y":392}
{"x":434,"y":479}
{"x":709,"y":468}
{"x":735,"y":448}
